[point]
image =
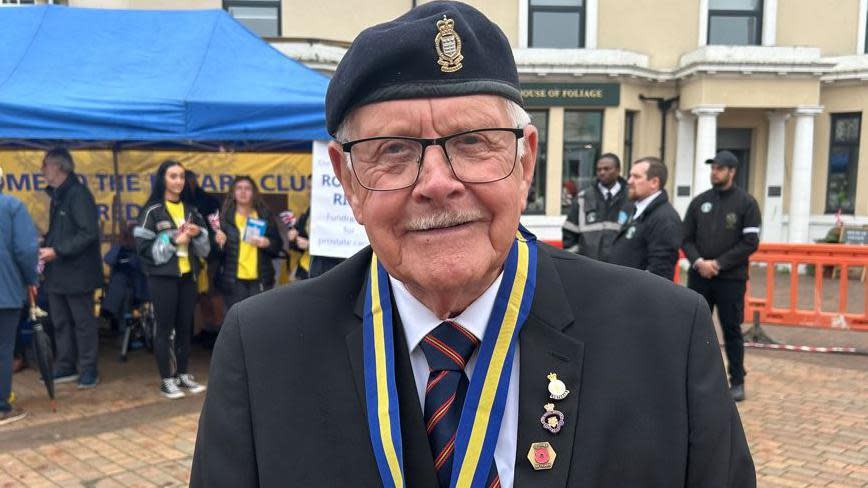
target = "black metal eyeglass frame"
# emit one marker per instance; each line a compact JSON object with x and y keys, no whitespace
{"x":439,"y":141}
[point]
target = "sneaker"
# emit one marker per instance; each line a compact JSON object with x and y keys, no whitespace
{"x":169,"y":389}
{"x":186,"y":381}
{"x":63,"y":377}
{"x":737,"y":392}
{"x":88,"y":379}
{"x":12,"y":415}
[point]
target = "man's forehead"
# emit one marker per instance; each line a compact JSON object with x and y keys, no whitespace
{"x":447,"y":115}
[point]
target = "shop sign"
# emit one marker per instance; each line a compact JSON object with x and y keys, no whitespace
{"x":571,"y":94}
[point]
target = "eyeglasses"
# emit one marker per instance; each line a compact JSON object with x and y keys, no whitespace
{"x":394,"y":163}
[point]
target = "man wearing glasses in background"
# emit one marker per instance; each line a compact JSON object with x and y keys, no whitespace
{"x":457,"y":350}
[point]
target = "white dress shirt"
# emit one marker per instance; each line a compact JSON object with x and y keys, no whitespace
{"x":419,"y":321}
{"x":614,"y":190}
{"x":642,"y":204}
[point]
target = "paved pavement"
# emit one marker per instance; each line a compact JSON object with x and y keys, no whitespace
{"x":806,"y":419}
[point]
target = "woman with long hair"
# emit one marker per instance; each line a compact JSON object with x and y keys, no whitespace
{"x":170,"y":238}
{"x":248,"y":240}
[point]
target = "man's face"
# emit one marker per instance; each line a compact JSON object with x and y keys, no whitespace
{"x":54,"y":176}
{"x":438,"y":258}
{"x":721,"y":176}
{"x":638,"y":185}
{"x":607,"y":172}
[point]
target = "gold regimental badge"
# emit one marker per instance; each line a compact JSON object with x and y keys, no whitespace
{"x":541,"y":456}
{"x":448,"y":46}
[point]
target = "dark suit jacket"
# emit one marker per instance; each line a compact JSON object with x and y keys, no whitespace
{"x":648,"y":403}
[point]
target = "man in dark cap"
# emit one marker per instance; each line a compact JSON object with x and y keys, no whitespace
{"x":721,"y":231}
{"x":457,"y":350}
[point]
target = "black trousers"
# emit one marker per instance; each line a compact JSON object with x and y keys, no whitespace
{"x":76,"y":332}
{"x":241,"y":290}
{"x":728,"y":297}
{"x":174,"y":303}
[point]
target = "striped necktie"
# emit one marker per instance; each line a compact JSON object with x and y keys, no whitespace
{"x":447,"y":349}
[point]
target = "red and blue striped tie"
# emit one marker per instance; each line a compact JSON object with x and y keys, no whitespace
{"x":447,"y":349}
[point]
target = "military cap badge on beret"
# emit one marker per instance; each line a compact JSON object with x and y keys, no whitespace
{"x":439,"y":49}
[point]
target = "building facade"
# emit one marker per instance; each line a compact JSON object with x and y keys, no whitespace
{"x":781,"y":83}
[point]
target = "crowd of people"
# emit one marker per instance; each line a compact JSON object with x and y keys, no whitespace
{"x":637,"y":227}
{"x":185,"y":250}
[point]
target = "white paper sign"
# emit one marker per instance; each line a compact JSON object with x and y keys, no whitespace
{"x":334,"y":231}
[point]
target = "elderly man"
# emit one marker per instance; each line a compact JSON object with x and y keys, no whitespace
{"x":456,"y":350}
{"x":73,"y":270}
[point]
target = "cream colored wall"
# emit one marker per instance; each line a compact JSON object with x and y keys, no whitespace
{"x":839,"y":100}
{"x":554,"y":160}
{"x":829,"y":25}
{"x":661,"y":29}
{"x":339,"y":21}
{"x":750,"y":92}
{"x":149,"y":4}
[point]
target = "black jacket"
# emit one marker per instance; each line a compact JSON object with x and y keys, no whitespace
{"x":723,"y":225}
{"x":593,"y":223}
{"x":154,"y":243}
{"x":648,"y":403}
{"x":651,"y":241}
{"x":73,"y":232}
{"x":228,"y":273}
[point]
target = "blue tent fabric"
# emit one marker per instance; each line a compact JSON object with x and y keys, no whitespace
{"x":129,"y":75}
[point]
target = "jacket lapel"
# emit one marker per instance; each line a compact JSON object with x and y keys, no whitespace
{"x":418,"y":460}
{"x":545,"y":348}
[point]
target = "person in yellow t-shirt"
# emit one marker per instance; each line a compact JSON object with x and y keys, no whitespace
{"x":171,"y":236}
{"x":248,"y":241}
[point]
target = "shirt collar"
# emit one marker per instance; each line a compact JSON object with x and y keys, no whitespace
{"x":641,"y":205}
{"x":419,"y":321}
{"x":615,"y":188}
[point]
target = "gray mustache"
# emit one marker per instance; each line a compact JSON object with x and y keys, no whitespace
{"x":443,"y":219}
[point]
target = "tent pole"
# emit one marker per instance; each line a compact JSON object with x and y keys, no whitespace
{"x":116,"y":200}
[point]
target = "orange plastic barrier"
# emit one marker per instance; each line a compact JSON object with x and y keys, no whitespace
{"x":835,"y":256}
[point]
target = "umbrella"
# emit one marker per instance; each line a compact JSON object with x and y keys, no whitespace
{"x":42,"y":347}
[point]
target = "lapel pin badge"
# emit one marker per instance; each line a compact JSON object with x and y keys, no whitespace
{"x":557,"y":388}
{"x":552,"y":420}
{"x":541,"y":456}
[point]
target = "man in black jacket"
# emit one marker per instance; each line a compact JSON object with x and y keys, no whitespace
{"x":598,"y":212}
{"x":652,"y":236}
{"x":721,"y":231}
{"x":73,"y":270}
{"x":330,"y":382}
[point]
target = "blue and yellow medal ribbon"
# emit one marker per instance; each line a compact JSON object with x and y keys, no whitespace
{"x":481,"y":416}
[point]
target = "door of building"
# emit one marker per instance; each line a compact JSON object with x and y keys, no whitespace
{"x":737,"y":141}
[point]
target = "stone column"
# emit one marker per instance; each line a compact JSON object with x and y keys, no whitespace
{"x":684,"y":161}
{"x":800,"y":181}
{"x":773,"y":206}
{"x":706,"y":145}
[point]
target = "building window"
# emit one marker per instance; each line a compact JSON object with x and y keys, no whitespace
{"x":629,"y":123}
{"x":735,"y":22}
{"x":843,"y":163}
{"x":260,"y":16}
{"x":583,"y":134}
{"x":536,"y":204}
{"x":556,"y":23}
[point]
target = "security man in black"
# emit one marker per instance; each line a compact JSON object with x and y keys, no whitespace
{"x":651,"y":238}
{"x":599,"y":212}
{"x":721,"y":231}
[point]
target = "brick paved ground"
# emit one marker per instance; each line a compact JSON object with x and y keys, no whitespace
{"x":806,"y":419}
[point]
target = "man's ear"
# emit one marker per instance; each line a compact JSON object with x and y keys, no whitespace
{"x":527,"y":163}
{"x":345,"y":176}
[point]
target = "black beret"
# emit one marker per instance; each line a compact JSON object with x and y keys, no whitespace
{"x":439,"y":49}
{"x":724,"y":158}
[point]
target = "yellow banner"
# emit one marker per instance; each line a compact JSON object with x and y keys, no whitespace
{"x":281,"y":175}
